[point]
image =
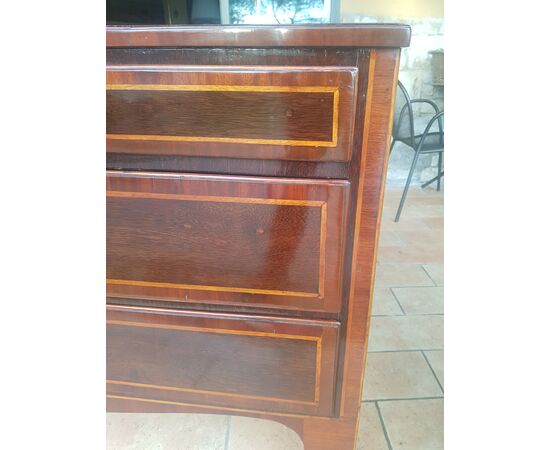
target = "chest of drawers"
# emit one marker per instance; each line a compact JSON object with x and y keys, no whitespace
{"x":245,"y":177}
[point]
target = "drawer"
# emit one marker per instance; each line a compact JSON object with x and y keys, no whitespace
{"x":289,"y":113}
{"x":219,"y":360}
{"x":244,"y":241}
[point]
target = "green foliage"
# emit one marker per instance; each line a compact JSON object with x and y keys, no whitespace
{"x":278,"y":11}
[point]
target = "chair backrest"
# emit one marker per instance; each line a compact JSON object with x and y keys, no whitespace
{"x":403,"y":125}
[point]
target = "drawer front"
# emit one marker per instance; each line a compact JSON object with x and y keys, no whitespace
{"x":244,"y":241}
{"x":240,"y":362}
{"x":237,"y":112}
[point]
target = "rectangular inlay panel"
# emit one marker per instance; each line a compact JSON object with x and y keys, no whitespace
{"x":257,"y":115}
{"x":178,"y":229}
{"x":221,"y":358}
{"x":275,"y":113}
{"x":226,"y":239}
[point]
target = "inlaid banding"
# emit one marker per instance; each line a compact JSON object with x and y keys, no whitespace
{"x":285,"y":115}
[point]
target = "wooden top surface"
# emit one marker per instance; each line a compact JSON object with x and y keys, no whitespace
{"x":319,"y":35}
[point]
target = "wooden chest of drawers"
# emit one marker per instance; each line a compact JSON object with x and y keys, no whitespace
{"x":245,"y":180}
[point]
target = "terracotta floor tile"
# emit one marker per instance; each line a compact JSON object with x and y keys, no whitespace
{"x":436,"y":361}
{"x":388,"y":333}
{"x":399,"y":375}
{"x":436,"y":223}
{"x":405,"y":223}
{"x":414,"y":424}
{"x":394,"y":192}
{"x":436,"y":273}
{"x":388,"y":237}
{"x":385,"y":303}
{"x":401,"y":275}
{"x":370,"y":434}
{"x":420,"y":300}
{"x":425,"y":200}
{"x":166,"y":431}
{"x":254,"y":434}
{"x":422,"y":211}
{"x":427,"y":237}
{"x":419,"y":253}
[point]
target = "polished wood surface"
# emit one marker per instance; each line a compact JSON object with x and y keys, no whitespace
{"x":364,"y":35}
{"x":158,"y":192}
{"x":222,"y":360}
{"x":271,"y":113}
{"x":230,"y":240}
{"x":159,"y":156}
{"x":228,"y":56}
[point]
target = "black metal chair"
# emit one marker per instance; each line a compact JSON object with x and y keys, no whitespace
{"x":427,"y":142}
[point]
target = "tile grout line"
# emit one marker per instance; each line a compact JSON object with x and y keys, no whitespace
{"x":227,"y":432}
{"x":400,"y":286}
{"x":408,"y":315}
{"x":408,"y":350}
{"x":441,"y":397}
{"x":426,"y":272}
{"x":398,"y":302}
{"x":433,"y":371}
{"x":386,"y":435}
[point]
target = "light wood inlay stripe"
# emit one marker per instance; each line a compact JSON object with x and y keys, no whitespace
{"x":322,"y":250}
{"x":196,"y":405}
{"x":209,"y":198}
{"x":214,"y":330}
{"x":218,"y":88}
{"x":212,"y":288}
{"x":336,"y":101}
{"x":318,"y":357}
{"x":169,"y":138}
{"x":231,"y":88}
{"x":206,"y":392}
{"x":318,"y":361}
{"x":368,"y":110}
{"x":242,"y":290}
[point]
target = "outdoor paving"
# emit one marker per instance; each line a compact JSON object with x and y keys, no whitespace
{"x":402,"y":406}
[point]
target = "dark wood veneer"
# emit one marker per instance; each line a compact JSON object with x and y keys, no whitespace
{"x":249,"y":362}
{"x":197,"y":238}
{"x":364,"y":35}
{"x":227,"y":56}
{"x":296,"y":113}
{"x":351,"y":184}
{"x":283,"y":116}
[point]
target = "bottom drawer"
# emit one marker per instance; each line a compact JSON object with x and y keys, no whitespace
{"x":225,"y":361}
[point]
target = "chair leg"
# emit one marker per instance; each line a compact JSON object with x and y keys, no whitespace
{"x":409,"y":178}
{"x":427,"y":183}
{"x":439,"y":160}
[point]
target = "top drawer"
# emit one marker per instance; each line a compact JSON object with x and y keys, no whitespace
{"x":289,"y":113}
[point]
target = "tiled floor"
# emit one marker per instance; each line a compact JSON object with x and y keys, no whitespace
{"x":402,"y":406}
{"x":403,"y":390}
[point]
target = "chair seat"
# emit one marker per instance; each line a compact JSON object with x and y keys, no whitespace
{"x":433,"y":142}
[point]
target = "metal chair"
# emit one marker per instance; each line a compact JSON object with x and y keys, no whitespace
{"x":427,"y":142}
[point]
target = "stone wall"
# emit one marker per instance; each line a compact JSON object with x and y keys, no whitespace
{"x":415,"y":73}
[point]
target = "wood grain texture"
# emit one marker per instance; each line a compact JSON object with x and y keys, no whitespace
{"x":256,"y":241}
{"x":308,"y":178}
{"x":188,"y":357}
{"x":264,"y":57}
{"x":227,"y":56}
{"x":271,"y":112}
{"x":230,"y":166}
{"x":383,"y":70}
{"x":206,"y":115}
{"x":364,"y":35}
